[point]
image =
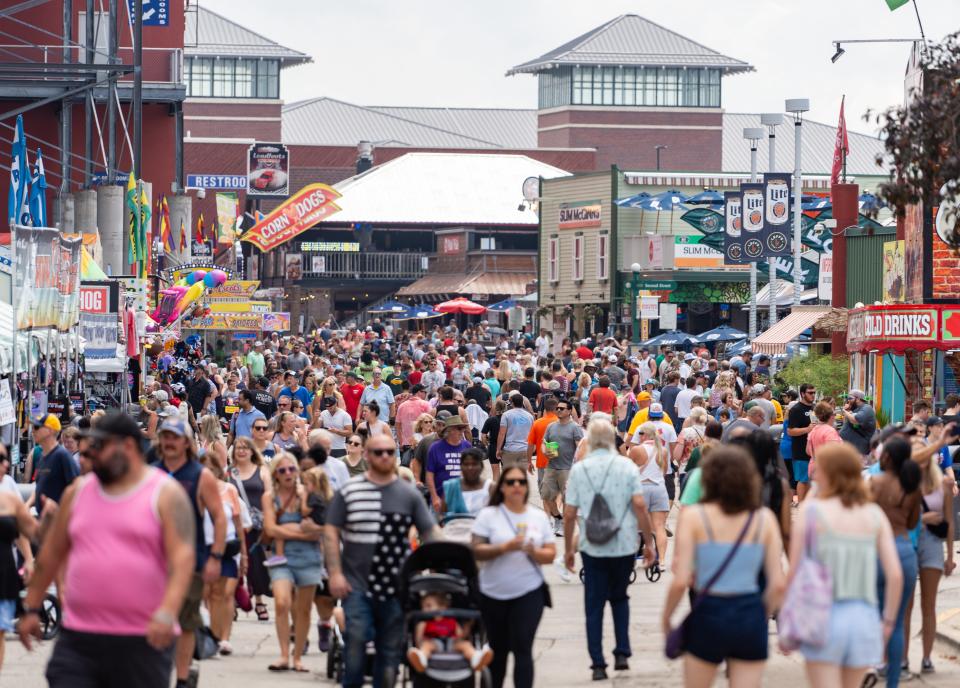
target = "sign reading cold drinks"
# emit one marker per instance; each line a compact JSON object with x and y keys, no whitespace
{"x":901,"y":328}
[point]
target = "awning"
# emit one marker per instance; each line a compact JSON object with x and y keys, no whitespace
{"x":484,"y":283}
{"x":774,"y":341}
{"x":903,"y":327}
{"x":784,"y":295}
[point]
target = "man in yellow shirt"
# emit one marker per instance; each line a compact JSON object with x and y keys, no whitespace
{"x":641,"y":416}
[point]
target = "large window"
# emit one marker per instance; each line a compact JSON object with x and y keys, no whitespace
{"x":630,"y":86}
{"x":232,"y":78}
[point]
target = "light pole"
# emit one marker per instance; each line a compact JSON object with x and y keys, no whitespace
{"x":634,"y":314}
{"x":659,"y":147}
{"x":796,"y":107}
{"x":772,"y":120}
{"x":753,"y":135}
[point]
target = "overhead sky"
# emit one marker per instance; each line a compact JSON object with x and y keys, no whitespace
{"x":443,"y":53}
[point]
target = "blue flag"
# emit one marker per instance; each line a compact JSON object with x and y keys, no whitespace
{"x":38,"y":193}
{"x":19,"y":176}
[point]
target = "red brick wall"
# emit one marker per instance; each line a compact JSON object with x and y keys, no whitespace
{"x":946,"y":271}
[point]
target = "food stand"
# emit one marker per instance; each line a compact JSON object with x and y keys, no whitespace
{"x":901,"y":353}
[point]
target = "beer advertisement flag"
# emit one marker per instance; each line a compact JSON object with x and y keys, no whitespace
{"x":100,"y":317}
{"x":809,"y":270}
{"x":47,"y":279}
{"x":751,"y":218}
{"x":776,"y":214}
{"x":704,"y":220}
{"x":227,"y":211}
{"x":268,"y":171}
{"x":294,"y":216}
{"x":733,"y":230}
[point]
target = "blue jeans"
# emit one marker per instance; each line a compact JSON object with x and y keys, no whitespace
{"x":382,"y":622}
{"x":605,"y":579}
{"x":908,"y":562}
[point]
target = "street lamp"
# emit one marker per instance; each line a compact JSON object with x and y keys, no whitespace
{"x":753,"y":135}
{"x":771,"y":121}
{"x":634,"y":314}
{"x":796,"y":107}
{"x":659,"y":147}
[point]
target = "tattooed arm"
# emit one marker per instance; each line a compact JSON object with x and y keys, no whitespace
{"x":179,"y":542}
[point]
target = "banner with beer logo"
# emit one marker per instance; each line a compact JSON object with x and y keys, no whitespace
{"x":47,"y":279}
{"x":100,"y":318}
{"x":776,"y":214}
{"x":294,"y":216}
{"x":751,"y":217}
{"x":733,"y":230}
{"x":227,"y":211}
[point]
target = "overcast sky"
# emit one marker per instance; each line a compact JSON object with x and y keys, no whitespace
{"x":455,"y":53}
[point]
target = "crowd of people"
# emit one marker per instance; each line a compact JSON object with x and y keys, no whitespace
{"x":305,"y":469}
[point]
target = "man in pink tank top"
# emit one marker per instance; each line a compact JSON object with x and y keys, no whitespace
{"x":129,"y":527}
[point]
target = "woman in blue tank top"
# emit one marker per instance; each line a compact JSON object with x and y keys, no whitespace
{"x":729,"y":619}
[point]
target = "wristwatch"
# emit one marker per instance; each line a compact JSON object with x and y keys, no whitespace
{"x":217,"y":555}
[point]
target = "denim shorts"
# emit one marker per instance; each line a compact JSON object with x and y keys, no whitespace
{"x":855,"y":637}
{"x":304,"y":565}
{"x":8,"y":612}
{"x":930,"y":553}
{"x":655,"y":495}
{"x":800,"y":470}
{"x":709,"y":635}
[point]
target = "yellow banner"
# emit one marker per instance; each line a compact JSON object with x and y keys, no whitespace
{"x":240,"y":307}
{"x":234,"y":291}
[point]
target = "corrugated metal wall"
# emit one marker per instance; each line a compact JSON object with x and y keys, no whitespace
{"x":865,"y":266}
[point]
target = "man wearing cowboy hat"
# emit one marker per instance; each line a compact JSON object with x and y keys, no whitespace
{"x":443,"y":459}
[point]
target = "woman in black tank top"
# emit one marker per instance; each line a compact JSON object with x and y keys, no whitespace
{"x":247,"y":473}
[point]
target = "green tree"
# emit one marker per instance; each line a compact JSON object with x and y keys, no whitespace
{"x":829,"y":373}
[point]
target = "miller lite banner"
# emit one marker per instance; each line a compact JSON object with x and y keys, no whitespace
{"x":297,"y":214}
{"x":751,"y":220}
{"x":733,"y":229}
{"x":777,"y":226}
{"x":899,"y":328}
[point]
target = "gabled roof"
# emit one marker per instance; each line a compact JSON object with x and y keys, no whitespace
{"x":331,"y":122}
{"x":632,"y":40}
{"x":447,"y":189}
{"x":819,"y":141}
{"x":209,"y":33}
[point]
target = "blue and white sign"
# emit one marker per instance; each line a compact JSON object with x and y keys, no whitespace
{"x":217,"y":181}
{"x":120,"y":178}
{"x":155,"y":12}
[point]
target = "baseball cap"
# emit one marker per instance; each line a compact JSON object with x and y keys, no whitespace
{"x":656,"y":411}
{"x":258,"y":343}
{"x":688,"y":357}
{"x":263,"y":381}
{"x":612,"y":358}
{"x":46,"y":420}
{"x":443,"y":415}
{"x":353,"y":374}
{"x":644,"y":396}
{"x":176,"y":426}
{"x":650,"y":381}
{"x":477,"y":378}
{"x":160,"y":395}
{"x":758,"y":389}
{"x":857,"y":394}
{"x":934,"y":420}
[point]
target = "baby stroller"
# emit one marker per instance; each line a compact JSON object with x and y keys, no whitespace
{"x":652,"y":572}
{"x":49,"y":612}
{"x":443,"y":567}
{"x":457,"y":527}
{"x":335,"y":655}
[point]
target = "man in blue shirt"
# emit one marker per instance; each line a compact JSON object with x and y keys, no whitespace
{"x":241,"y":425}
{"x":379,"y":392}
{"x":56,"y":469}
{"x":293,"y":389}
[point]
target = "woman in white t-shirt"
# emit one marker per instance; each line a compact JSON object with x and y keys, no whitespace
{"x":514,"y":540}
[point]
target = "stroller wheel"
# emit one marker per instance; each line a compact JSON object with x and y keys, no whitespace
{"x":633,"y":576}
{"x":334,"y":657}
{"x":583,"y":575}
{"x":50,"y":619}
{"x":653,"y":573}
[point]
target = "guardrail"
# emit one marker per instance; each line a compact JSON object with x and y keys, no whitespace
{"x":375,"y":265}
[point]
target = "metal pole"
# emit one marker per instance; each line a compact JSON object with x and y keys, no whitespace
{"x":178,"y":147}
{"x":112,"y":95}
{"x":634,"y":315}
{"x":137,"y":88}
{"x":88,"y":102}
{"x":797,"y":215}
{"x":66,"y":118}
{"x":752,"y":328}
{"x":772,"y":287}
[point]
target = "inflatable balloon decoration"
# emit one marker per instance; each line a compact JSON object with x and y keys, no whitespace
{"x":176,"y":300}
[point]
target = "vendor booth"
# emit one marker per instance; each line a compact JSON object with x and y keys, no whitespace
{"x":902,"y":353}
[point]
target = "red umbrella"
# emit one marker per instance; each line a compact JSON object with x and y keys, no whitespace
{"x":461,"y":305}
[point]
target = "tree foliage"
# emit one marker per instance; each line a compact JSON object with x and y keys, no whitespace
{"x":830,"y":374}
{"x":922,"y":139}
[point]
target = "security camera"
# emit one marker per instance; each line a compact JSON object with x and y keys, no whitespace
{"x":201,"y":193}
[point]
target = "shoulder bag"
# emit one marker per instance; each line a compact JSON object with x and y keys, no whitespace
{"x":547,"y":597}
{"x":256,"y":513}
{"x":677,"y":638}
{"x":804,"y":617}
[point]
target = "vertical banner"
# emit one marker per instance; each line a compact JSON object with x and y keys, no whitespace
{"x":751,"y":215}
{"x":268,"y":170}
{"x":227,"y":211}
{"x":47,"y":279}
{"x":776,"y":215}
{"x":733,"y":229}
{"x":100,"y":318}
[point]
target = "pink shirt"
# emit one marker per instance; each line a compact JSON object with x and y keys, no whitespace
{"x":407,"y":415}
{"x":117,"y":567}
{"x":822,"y":433}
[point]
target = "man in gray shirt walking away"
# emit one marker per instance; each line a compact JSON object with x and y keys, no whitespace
{"x":560,"y":445}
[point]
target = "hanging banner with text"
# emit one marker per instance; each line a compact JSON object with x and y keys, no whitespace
{"x":751,"y":217}
{"x":100,"y":318}
{"x":227,"y":211}
{"x":294,"y":216}
{"x":733,"y":229}
{"x":47,"y":279}
{"x":776,"y":215}
{"x":268,"y":170}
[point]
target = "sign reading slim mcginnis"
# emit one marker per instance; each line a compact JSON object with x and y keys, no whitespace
{"x":268,"y":171}
{"x":580,"y":215}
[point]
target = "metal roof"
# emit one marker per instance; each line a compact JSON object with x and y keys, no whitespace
{"x":449,"y":189}
{"x":212,"y":34}
{"x":331,"y":122}
{"x":632,"y":40}
{"x":819,"y":141}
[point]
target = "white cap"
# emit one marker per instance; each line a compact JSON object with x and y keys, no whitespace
{"x":612,"y":358}
{"x":688,"y":357}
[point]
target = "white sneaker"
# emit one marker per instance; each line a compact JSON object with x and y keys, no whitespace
{"x":558,"y":527}
{"x":562,"y":571}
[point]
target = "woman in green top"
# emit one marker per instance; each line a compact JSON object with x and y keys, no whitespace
{"x":356,"y":464}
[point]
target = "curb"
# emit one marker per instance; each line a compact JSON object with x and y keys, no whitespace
{"x":949,"y":637}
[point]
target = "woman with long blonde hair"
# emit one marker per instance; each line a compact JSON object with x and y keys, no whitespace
{"x":504,"y":374}
{"x":584,"y":383}
{"x":652,"y":458}
{"x":327,"y":397}
{"x":211,"y":439}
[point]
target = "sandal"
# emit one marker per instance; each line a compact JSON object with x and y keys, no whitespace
{"x":262,"y":613}
{"x":279,"y":667}
{"x":300,"y":669}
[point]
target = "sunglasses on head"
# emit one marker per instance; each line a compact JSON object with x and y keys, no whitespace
{"x":383,"y":452}
{"x":283,"y":470}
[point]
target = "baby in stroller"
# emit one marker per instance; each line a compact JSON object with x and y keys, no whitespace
{"x":430,"y":635}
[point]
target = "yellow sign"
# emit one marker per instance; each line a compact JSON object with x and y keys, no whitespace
{"x":893,"y":271}
{"x":226,"y":321}
{"x":240,"y":307}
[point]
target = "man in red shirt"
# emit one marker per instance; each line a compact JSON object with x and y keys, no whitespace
{"x":602,"y":398}
{"x":352,"y":391}
{"x":583,"y":352}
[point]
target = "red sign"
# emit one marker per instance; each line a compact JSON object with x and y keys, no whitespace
{"x":450,"y":245}
{"x":899,"y":328}
{"x":95,"y":299}
{"x":294,"y":216}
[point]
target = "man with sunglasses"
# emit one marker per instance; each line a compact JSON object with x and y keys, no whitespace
{"x":142,"y":518}
{"x":241,"y":425}
{"x":559,"y":445}
{"x":799,"y":425}
{"x":372,"y":515}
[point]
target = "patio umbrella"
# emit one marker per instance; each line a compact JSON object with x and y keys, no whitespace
{"x":815,"y":202}
{"x":706,"y":197}
{"x":461,"y":305}
{"x":672,"y":338}
{"x":419,"y":312}
{"x":389,"y":307}
{"x":668,"y":200}
{"x":502,"y":306}
{"x":724,"y":333}
{"x":870,"y":203}
{"x":737,"y":348}
{"x":496,"y":330}
{"x":633,"y":201}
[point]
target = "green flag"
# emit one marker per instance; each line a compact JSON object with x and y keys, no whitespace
{"x":134,"y":229}
{"x":896,"y":4}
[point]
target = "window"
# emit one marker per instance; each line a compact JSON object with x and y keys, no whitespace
{"x":268,"y":79}
{"x":603,"y":262}
{"x":232,"y":78}
{"x":631,"y":86}
{"x":578,"y":258}
{"x":246,"y":69}
{"x":223,"y":76}
{"x":553,"y":260}
{"x":199,"y":73}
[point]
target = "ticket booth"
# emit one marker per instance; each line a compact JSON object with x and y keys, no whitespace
{"x":902,"y":353}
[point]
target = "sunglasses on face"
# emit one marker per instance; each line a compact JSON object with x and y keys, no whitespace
{"x":513,"y":482}
{"x":383,"y":452}
{"x":283,"y":470}
{"x":259,"y":427}
{"x":355,"y":444}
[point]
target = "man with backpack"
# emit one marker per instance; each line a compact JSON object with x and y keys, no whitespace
{"x":604,"y":491}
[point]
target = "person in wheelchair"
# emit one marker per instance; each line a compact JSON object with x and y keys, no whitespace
{"x":444,"y":632}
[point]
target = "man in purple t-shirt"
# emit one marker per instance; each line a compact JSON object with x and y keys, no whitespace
{"x":443,"y":458}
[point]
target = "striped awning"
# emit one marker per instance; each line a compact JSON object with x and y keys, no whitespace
{"x":774,"y":341}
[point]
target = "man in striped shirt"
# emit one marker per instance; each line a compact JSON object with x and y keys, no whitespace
{"x":372,"y":515}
